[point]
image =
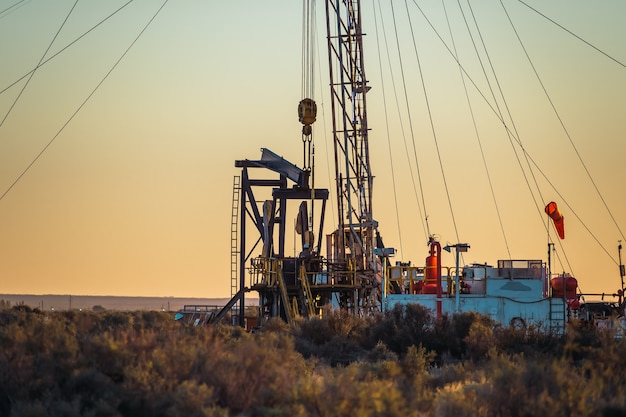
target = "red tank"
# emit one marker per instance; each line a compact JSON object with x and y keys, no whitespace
{"x":430,"y":275}
{"x":429,"y":289}
{"x":567,"y":283}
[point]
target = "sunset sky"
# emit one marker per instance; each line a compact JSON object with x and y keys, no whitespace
{"x":116,"y":177}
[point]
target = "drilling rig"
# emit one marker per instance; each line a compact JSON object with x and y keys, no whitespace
{"x":347,"y":272}
{"x":349,"y":267}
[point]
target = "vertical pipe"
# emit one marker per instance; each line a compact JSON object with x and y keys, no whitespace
{"x":457,"y":282}
{"x":384,"y":287}
{"x":436,"y":247}
{"x":621,"y":270}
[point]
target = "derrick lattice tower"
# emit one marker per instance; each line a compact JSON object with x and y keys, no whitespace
{"x":355,"y":238}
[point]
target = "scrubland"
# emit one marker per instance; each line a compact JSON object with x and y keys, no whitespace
{"x":403,"y":363}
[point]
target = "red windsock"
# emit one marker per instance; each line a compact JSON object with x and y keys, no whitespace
{"x":557,"y":218}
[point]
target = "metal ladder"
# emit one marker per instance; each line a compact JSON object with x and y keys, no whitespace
{"x":234,"y":238}
{"x":557,"y":315}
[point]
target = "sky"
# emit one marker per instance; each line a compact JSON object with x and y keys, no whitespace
{"x":117,"y":154}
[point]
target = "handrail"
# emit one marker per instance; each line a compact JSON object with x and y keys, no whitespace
{"x":413,"y":275}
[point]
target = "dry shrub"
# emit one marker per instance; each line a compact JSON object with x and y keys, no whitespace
{"x":417,"y":361}
{"x":339,"y":338}
{"x":480,"y":340}
{"x":146,"y":364}
{"x":404,"y":326}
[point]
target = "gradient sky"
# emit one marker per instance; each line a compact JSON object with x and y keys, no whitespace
{"x":133,"y":195}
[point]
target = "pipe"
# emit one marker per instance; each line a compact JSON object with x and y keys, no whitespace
{"x":437,"y":246}
{"x":457,"y":284}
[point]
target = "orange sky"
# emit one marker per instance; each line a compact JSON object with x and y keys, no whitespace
{"x":133,"y":196}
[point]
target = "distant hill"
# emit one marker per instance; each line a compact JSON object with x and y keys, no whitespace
{"x":87,"y":302}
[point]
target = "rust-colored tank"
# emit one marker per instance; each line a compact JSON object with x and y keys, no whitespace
{"x":429,"y":289}
{"x":568,"y":284}
{"x":573,"y":304}
{"x":430,"y":275}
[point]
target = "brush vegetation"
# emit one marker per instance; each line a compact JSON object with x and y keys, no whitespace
{"x":403,"y":363}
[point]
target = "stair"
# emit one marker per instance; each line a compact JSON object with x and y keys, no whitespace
{"x":290,"y":311}
{"x":306,"y":289}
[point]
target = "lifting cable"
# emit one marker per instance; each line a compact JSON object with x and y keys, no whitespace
{"x":4,"y":13}
{"x":65,"y":47}
{"x":573,"y":34}
{"x":38,"y":64}
{"x":36,"y":158}
{"x":472,"y":115}
{"x":539,"y":206}
{"x":424,"y":214}
{"x":308,"y":59}
{"x":515,"y":137}
{"x":570,"y":141}
{"x":580,"y":159}
{"x":393,"y":174}
{"x":307,"y":108}
{"x":327,"y":143}
{"x":430,"y":118}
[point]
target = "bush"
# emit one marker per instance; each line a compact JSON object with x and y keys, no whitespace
{"x":405,"y":326}
{"x":403,"y":363}
{"x":338,"y":338}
